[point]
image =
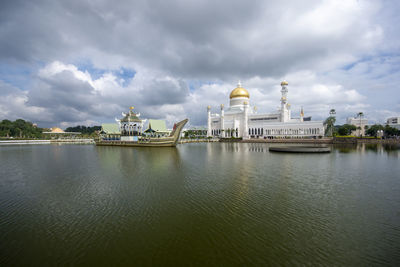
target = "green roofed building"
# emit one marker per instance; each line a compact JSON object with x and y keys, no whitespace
{"x":110,"y":131}
{"x":157,"y":128}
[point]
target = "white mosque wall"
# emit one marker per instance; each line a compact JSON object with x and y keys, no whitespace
{"x":269,"y":130}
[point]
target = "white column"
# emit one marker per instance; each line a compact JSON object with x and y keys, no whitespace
{"x":222,"y":121}
{"x":245,"y":129}
{"x":284,"y":109}
{"x":208,"y":121}
{"x":301,"y":114}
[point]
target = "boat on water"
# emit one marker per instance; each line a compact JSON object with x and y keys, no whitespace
{"x":148,"y":141}
{"x":301,"y":149}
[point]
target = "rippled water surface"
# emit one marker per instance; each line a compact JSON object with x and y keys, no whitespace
{"x":198,"y":204}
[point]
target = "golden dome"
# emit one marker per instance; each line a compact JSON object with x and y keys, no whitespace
{"x":239,"y":91}
{"x":284,"y":83}
{"x":56,"y":130}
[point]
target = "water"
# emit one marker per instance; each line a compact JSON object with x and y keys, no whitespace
{"x":198,"y":204}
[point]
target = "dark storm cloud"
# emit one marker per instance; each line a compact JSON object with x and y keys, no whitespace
{"x":200,"y":39}
{"x":158,"y":92}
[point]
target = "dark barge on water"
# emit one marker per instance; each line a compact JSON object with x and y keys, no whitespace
{"x":301,"y":149}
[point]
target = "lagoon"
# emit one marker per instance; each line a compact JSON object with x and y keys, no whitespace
{"x":198,"y":204}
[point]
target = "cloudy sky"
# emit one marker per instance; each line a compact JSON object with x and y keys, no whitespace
{"x":65,"y":63}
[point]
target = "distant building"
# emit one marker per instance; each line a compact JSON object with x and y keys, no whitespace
{"x":240,"y":120}
{"x":360,"y":123}
{"x":393,"y":122}
{"x":58,"y":133}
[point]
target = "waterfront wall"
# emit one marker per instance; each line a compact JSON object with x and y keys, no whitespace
{"x":326,"y":140}
{"x":36,"y":142}
{"x":290,"y":141}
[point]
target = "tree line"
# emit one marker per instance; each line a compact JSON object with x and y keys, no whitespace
{"x":19,"y":129}
{"x":346,"y":129}
{"x":25,"y":129}
{"x":84,"y":130}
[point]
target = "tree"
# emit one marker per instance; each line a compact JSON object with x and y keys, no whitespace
{"x":84,"y":130}
{"x":330,"y":122}
{"x":346,"y":129}
{"x":372,"y":131}
{"x":360,"y":115}
{"x":390,"y":131}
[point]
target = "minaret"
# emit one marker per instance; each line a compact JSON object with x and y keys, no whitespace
{"x":284,"y":109}
{"x":208,"y":121}
{"x":222,"y":120}
{"x":301,"y":114}
{"x":245,"y":132}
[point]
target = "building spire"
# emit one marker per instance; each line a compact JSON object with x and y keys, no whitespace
{"x":239,"y":84}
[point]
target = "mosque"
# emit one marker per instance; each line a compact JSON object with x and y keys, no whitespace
{"x":239,"y":120}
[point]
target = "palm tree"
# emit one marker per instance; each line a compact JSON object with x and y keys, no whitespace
{"x":360,"y":115}
{"x":332,"y":114}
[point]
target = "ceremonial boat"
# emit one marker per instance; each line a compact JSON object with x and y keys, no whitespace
{"x":149,"y":141}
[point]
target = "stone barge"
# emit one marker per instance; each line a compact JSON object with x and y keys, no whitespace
{"x":300,"y":149}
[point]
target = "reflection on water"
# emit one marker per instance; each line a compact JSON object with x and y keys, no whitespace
{"x":388,"y":149}
{"x":199,"y":204}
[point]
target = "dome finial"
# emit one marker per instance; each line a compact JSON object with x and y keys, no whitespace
{"x":239,"y":85}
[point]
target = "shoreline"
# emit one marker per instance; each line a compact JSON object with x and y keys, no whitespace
{"x":335,"y":140}
{"x":44,"y":141}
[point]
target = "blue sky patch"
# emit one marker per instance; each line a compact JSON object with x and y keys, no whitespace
{"x":125,"y":74}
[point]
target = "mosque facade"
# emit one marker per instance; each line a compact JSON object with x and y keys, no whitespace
{"x":242,"y":120}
